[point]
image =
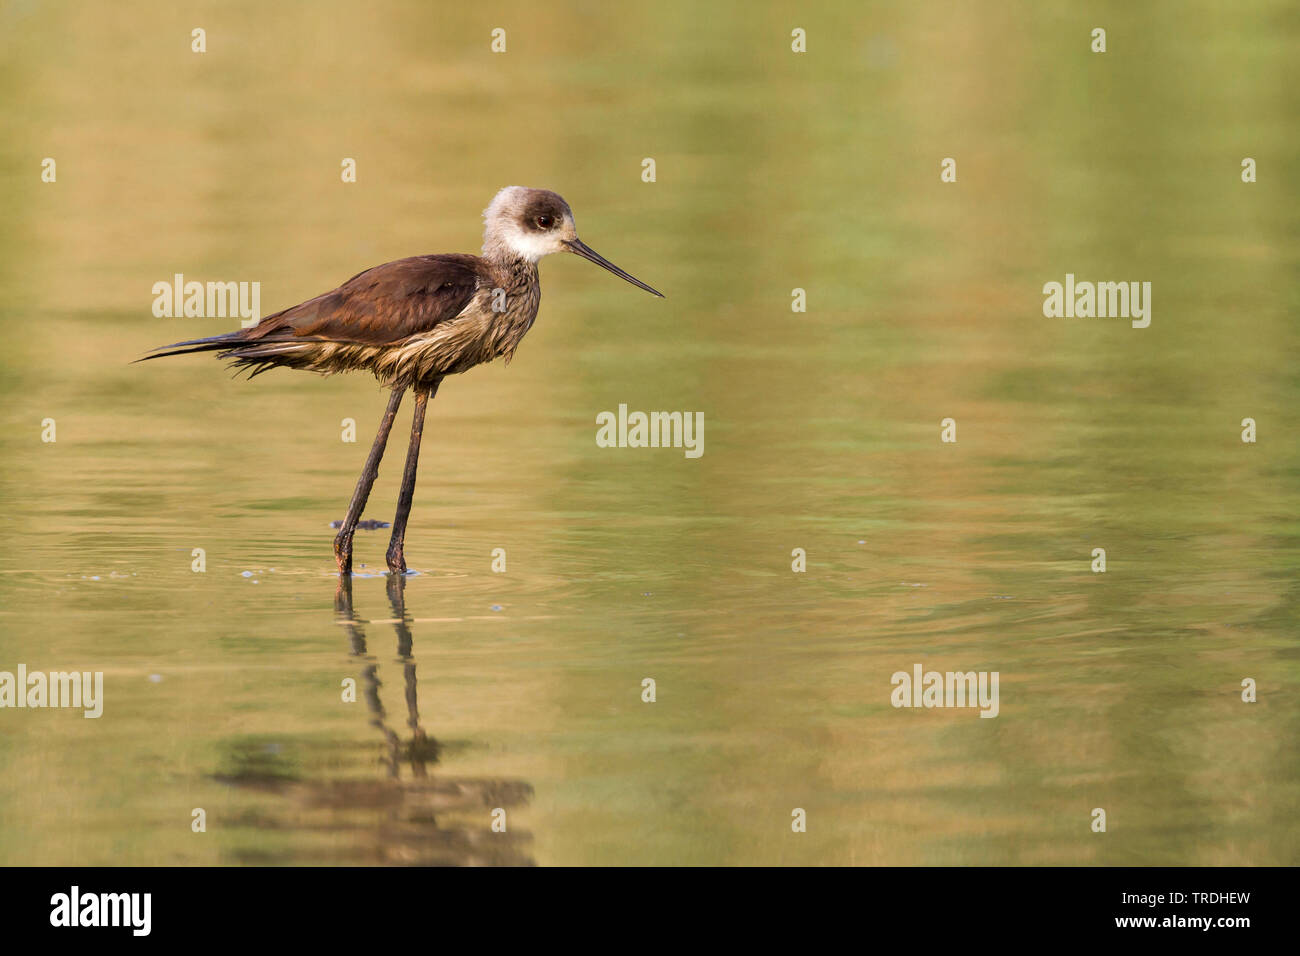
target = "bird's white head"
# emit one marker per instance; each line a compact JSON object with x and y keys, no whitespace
{"x":522,"y":223}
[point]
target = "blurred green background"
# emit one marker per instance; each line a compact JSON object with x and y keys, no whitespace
{"x":775,"y":170}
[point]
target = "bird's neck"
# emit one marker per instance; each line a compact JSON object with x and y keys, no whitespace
{"x":511,"y":270}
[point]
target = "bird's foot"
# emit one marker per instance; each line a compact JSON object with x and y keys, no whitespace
{"x":343,"y":552}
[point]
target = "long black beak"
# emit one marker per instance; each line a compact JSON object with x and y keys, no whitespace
{"x":584,"y":250}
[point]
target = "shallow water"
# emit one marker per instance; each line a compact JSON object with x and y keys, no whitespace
{"x":521,"y":690}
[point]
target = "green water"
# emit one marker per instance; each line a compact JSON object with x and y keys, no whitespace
{"x":522,"y":690}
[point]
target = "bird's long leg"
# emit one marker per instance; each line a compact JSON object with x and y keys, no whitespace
{"x":343,"y":540}
{"x":396,"y":557}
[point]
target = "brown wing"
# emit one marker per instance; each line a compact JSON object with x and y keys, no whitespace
{"x":382,"y":305}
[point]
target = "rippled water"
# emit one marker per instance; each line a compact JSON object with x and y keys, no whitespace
{"x":522,"y":691}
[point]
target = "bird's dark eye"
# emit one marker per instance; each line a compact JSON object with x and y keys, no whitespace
{"x":545,"y":222}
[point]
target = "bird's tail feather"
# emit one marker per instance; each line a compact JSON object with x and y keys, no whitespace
{"x":228,"y":340}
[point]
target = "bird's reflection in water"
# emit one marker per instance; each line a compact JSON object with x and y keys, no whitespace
{"x":416,"y":818}
{"x":422,"y":749}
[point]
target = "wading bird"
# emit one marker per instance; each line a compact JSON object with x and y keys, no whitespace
{"x":412,"y":322}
